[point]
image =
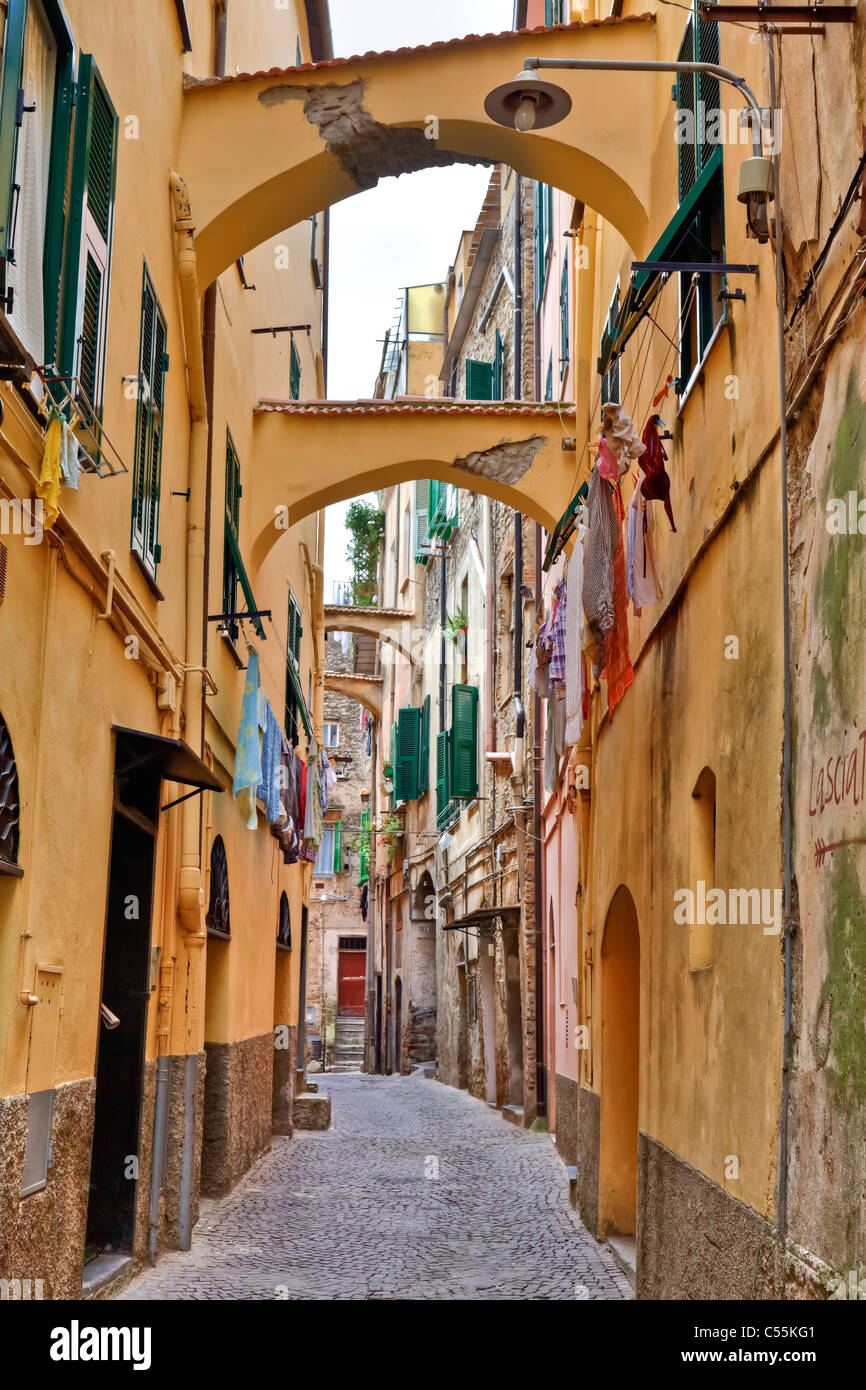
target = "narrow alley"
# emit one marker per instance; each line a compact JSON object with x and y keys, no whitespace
{"x":359,"y":1212}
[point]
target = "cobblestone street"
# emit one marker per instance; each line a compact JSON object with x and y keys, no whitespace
{"x":351,"y":1214}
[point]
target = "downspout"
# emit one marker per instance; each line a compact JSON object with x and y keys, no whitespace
{"x":443,"y":649}
{"x":540,"y":1071}
{"x":518,"y":288}
{"x":326,"y":295}
{"x":489,"y":634}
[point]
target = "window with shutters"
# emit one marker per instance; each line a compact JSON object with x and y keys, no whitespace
{"x":364,"y":850}
{"x":147,"y":468}
{"x":295,"y":632}
{"x":327,"y":858}
{"x":424,"y":749}
{"x":330,"y":735}
{"x":294,"y":373}
{"x":232,"y":526}
{"x":36,"y":99}
{"x":698,"y":96}
{"x":498,"y":369}
{"x":408,"y":754}
{"x":446,"y":811}
{"x":543,"y":237}
{"x":464,"y":742}
{"x":479,"y":380}
{"x":87,"y":261}
{"x":548,"y":380}
{"x":564,"y":312}
{"x":556,"y":12}
{"x":610,"y":380}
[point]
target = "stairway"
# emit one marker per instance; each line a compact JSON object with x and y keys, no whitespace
{"x":348,"y":1043}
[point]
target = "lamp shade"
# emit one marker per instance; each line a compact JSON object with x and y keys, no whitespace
{"x":551,"y":103}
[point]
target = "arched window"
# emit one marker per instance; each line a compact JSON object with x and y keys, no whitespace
{"x":284,"y":926}
{"x":9,"y":805}
{"x":218,"y":922}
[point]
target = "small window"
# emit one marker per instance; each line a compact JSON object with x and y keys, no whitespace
{"x":293,"y":668}
{"x":218,"y":919}
{"x":328,"y":858}
{"x":232,"y":523}
{"x":548,"y":381}
{"x":9,"y":805}
{"x":564,"y":326}
{"x":331,"y":735}
{"x":284,"y":925}
{"x":610,"y":379}
{"x":702,"y":863}
{"x":294,"y":373}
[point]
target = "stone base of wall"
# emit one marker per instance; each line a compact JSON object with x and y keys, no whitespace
{"x":312,"y":1111}
{"x":419,"y":1038}
{"x":238,"y":1104}
{"x":567,"y":1095}
{"x":284,"y":1083}
{"x":169,"y":1237}
{"x":42,"y":1236}
{"x":694,"y":1239}
{"x":587,"y":1149}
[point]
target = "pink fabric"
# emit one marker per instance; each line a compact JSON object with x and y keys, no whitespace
{"x":608,"y":464}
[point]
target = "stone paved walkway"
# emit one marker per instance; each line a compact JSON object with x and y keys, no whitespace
{"x":360,"y":1213}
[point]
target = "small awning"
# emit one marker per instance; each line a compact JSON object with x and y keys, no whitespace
{"x":243,"y":576}
{"x":174,"y":758}
{"x":673,"y":244}
{"x":486,"y":917}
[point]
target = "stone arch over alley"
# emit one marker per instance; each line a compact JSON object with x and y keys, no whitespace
{"x":262,"y":151}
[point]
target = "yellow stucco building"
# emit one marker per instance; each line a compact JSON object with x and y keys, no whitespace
{"x":142,"y":935}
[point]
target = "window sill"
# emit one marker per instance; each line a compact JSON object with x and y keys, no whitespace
{"x":698,"y":371}
{"x":232,"y":646}
{"x":149,"y":579}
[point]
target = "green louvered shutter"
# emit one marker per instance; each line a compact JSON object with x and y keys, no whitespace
{"x":688,"y":167}
{"x":424,"y":749}
{"x":13,"y":60}
{"x":147,"y":467}
{"x":563,"y":318}
{"x":294,"y":373}
{"x":422,"y":545}
{"x":364,"y":849}
{"x":464,"y":742}
{"x":338,"y":846}
{"x":498,"y":383}
{"x":479,"y":380}
{"x":84,"y":321}
{"x":708,"y":86}
{"x":408,"y":744}
{"x":443,"y":777}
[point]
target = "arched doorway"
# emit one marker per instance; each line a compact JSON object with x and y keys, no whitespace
{"x":620,"y":1066}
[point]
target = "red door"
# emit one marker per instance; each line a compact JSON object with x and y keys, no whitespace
{"x":351,"y":978}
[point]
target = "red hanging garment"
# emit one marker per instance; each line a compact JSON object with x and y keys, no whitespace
{"x":656,"y":485}
{"x":619,"y":668}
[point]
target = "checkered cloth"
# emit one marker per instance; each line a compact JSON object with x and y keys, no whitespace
{"x":602,"y":541}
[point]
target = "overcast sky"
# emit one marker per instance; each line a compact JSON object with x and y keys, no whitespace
{"x":402,"y":232}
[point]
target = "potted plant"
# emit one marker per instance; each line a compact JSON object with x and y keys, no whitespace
{"x":456,"y":625}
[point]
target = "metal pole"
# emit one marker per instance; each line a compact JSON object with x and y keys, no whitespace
{"x":629,"y":65}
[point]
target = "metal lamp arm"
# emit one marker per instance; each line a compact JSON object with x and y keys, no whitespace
{"x":629,"y":65}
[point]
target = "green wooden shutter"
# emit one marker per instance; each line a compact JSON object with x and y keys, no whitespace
{"x":443,"y":777}
{"x":479,"y":380}
{"x":55,"y":222}
{"x":464,"y":742}
{"x":687,"y":152}
{"x":408,"y":746}
{"x":232,"y":521}
{"x":294,"y":373}
{"x":564,"y":317}
{"x":424,"y":749}
{"x":498,"y":384}
{"x":13,"y":59}
{"x":708,"y":86}
{"x":84,"y":321}
{"x":421,"y":522}
{"x":147,"y":468}
{"x":364,"y":849}
{"x":338,"y":846}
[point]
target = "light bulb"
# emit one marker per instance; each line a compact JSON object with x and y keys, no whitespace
{"x":524,"y":116}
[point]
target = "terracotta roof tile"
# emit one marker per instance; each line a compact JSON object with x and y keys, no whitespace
{"x":194,"y":83}
{"x":422,"y":405}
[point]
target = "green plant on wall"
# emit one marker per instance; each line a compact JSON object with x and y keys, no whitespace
{"x":456,"y":624}
{"x":365,"y":524}
{"x":390,"y":832}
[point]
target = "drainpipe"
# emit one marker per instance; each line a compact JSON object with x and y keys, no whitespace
{"x":489,"y":635}
{"x":443,"y":650}
{"x":518,"y":288}
{"x":540,"y":1072}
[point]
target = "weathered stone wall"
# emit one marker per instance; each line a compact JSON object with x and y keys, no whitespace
{"x":237,"y":1110}
{"x":42,"y":1236}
